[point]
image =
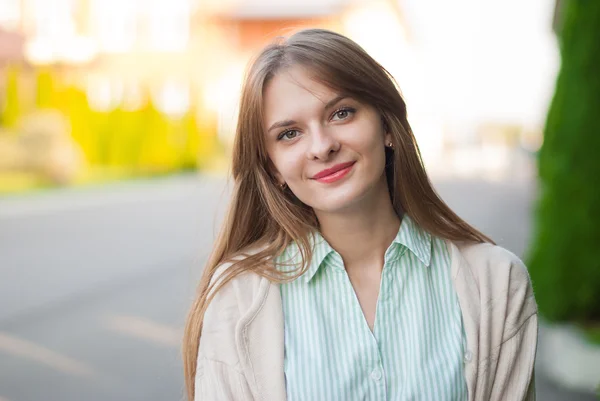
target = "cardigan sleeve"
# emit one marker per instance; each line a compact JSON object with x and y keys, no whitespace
{"x":514,"y":379}
{"x":514,"y":374}
{"x":218,"y":376}
{"x":218,"y":381}
{"x":501,"y":313}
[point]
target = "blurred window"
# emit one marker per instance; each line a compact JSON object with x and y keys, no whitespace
{"x":53,"y":20}
{"x":10,"y":14}
{"x":114,"y":23}
{"x":51,"y":28}
{"x":168,"y":24}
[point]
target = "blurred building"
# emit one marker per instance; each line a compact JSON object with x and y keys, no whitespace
{"x":174,"y":48}
{"x":123,"y":45}
{"x":472,"y":73}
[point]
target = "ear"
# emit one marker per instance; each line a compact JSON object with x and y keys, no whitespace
{"x":386,"y":131}
{"x":387,"y":138}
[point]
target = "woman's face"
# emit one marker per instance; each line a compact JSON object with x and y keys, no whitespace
{"x":328,"y":148}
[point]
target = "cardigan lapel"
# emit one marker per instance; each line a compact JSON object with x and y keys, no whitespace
{"x":261,"y":345}
{"x":468,"y":295}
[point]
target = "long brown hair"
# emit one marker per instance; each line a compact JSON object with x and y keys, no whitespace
{"x":261,"y":215}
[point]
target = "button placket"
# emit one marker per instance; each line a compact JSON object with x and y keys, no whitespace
{"x":376,"y":374}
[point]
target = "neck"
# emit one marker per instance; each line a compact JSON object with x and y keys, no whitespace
{"x":362,"y":235}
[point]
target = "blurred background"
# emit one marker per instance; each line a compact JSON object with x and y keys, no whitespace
{"x":116,"y":125}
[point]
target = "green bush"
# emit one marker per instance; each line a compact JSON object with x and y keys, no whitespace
{"x":564,"y":260}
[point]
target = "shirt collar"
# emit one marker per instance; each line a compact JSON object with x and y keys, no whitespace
{"x":417,"y":240}
{"x":321,"y":250}
{"x":410,"y":236}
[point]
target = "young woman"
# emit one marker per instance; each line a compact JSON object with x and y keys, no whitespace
{"x":339,"y":273}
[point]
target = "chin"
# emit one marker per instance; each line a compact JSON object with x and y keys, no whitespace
{"x":336,"y":199}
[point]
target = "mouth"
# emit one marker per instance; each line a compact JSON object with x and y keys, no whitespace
{"x":334,"y":173}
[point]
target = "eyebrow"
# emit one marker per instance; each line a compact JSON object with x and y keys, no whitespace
{"x":286,"y":123}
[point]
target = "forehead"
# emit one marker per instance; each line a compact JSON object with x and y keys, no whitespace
{"x":294,"y":91}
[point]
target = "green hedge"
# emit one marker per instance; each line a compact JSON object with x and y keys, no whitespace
{"x":564,"y":260}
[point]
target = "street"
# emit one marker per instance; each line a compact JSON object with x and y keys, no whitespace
{"x":95,"y":282}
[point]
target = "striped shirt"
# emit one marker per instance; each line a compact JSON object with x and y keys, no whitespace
{"x":415,"y":351}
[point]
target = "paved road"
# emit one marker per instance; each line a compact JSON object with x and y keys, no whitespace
{"x":94,"y":283}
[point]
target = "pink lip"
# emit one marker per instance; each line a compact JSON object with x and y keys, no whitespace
{"x":334,"y":173}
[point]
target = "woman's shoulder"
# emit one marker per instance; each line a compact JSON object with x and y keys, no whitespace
{"x":494,"y":279}
{"x":238,"y":288}
{"x":486,"y":259}
{"x":499,"y":275}
{"x":245,"y":280}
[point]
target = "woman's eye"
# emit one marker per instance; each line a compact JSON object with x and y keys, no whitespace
{"x":289,"y":134}
{"x":342,"y":114}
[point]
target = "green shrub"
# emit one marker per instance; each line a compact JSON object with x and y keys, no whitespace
{"x":564,"y":260}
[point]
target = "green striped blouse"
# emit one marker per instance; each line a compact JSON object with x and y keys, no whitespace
{"x":415,"y":351}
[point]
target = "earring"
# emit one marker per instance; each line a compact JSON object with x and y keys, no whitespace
{"x":390,"y":145}
{"x":282,"y":186}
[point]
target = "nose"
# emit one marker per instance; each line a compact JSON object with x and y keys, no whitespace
{"x":322,"y":144}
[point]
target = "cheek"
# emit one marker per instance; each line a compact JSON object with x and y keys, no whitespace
{"x":368,"y":142}
{"x":372,"y":154}
{"x":289,"y":164}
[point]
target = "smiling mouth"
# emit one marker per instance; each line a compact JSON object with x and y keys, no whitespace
{"x":334,"y":174}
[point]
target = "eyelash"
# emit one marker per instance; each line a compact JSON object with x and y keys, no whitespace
{"x":350,"y":110}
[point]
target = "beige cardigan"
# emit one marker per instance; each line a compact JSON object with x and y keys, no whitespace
{"x":242,"y":348}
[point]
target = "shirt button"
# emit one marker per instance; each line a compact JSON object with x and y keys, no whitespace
{"x":376,"y":374}
{"x":468,"y":356}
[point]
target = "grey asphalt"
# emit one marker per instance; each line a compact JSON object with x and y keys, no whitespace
{"x":95,"y":282}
